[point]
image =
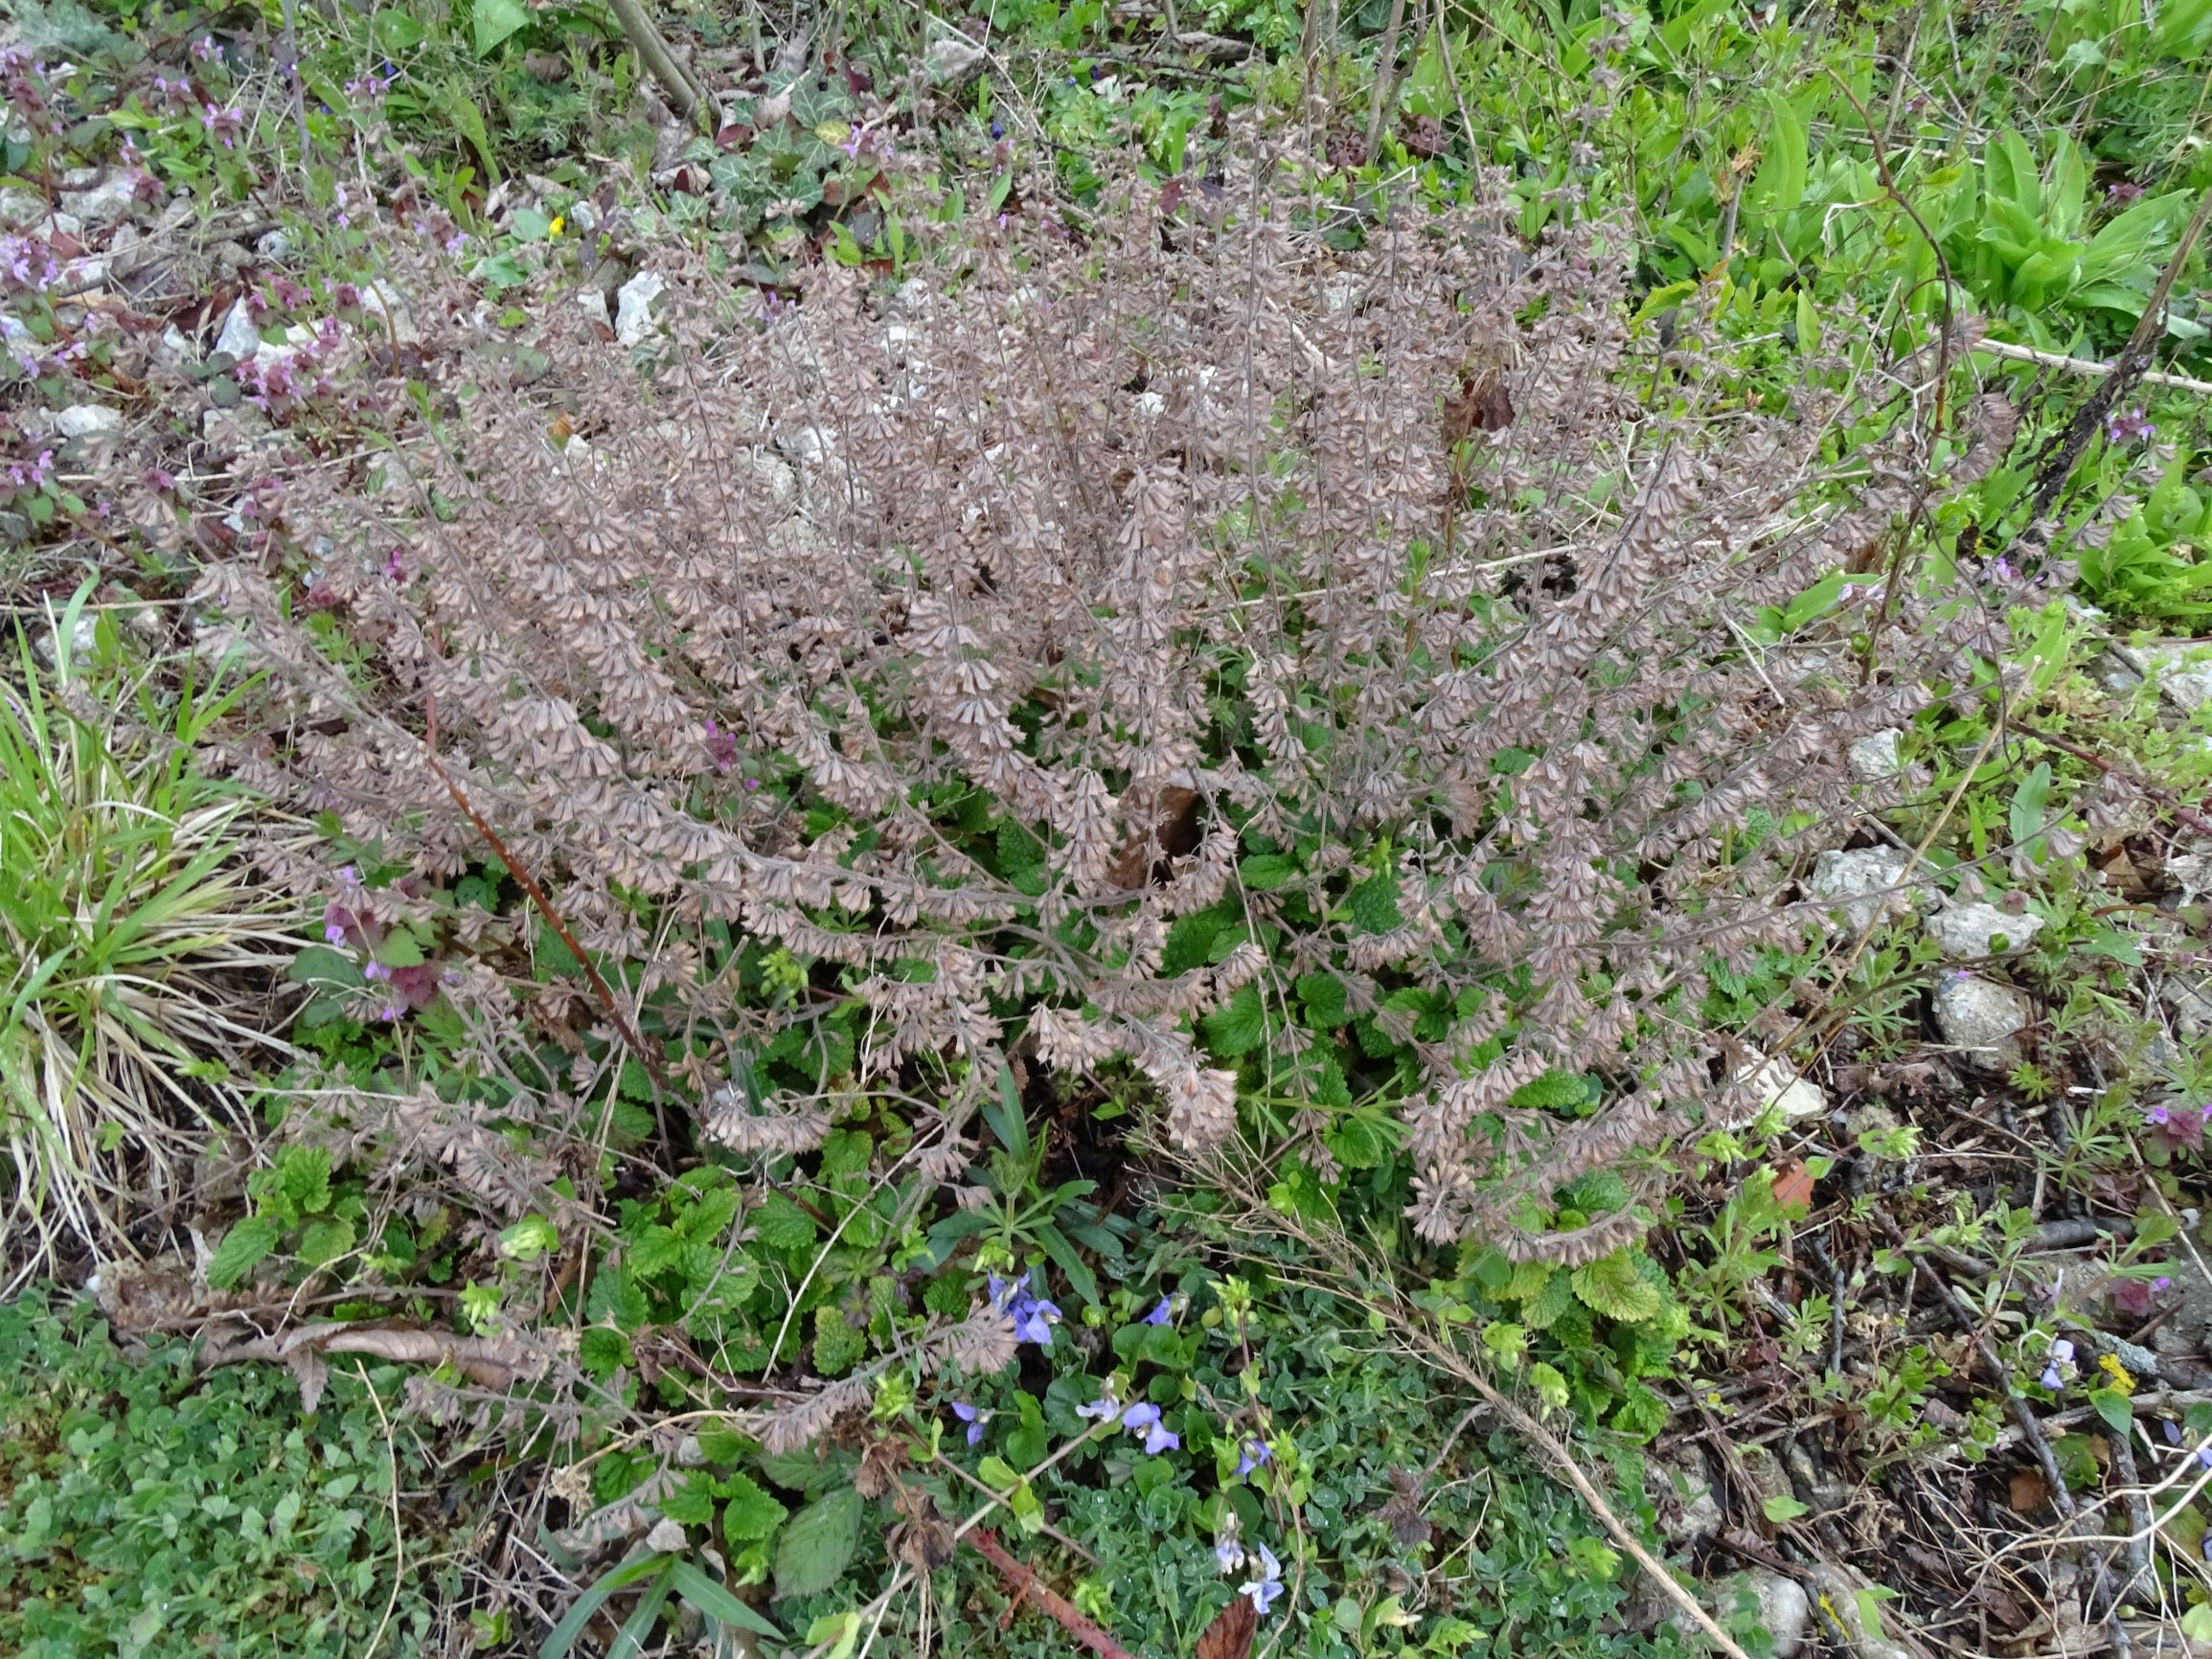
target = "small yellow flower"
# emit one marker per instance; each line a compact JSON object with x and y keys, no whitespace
{"x":554,"y":229}
{"x":2121,"y":1381}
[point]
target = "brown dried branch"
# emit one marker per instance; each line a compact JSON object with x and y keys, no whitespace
{"x":1063,"y":1611}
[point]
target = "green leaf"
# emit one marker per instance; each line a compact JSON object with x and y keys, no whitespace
{"x":817,"y":1544}
{"x":1238,"y":1025}
{"x":1266,"y":871}
{"x":2026,"y":818}
{"x":1063,"y":1254}
{"x":320,"y":964}
{"x":400,"y":949}
{"x":243,"y":1246}
{"x":1782,"y":1506}
{"x":2113,"y":1407}
{"x":325,"y":1241}
{"x":1550,"y":1386}
{"x":395,"y":31}
{"x":495,"y":20}
{"x":1324,"y":997}
{"x":1373,"y":903}
{"x":564,"y":1634}
{"x":303,"y":1172}
{"x":716,"y":1603}
{"x":1780,"y":182}
{"x":1613,"y":1286}
{"x":781,"y":1225}
{"x":753,"y":1511}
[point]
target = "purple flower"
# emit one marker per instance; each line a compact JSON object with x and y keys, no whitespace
{"x":2130,"y":427}
{"x":1228,"y":1552}
{"x":204,"y":50}
{"x":376,"y":970}
{"x":2062,"y":1352}
{"x":2158,"y":1115}
{"x":2205,"y":1455}
{"x":972,"y":1418}
{"x":1033,"y":1321}
{"x":721,"y":747}
{"x":224,"y":125}
{"x":2172,"y":1431}
{"x":2122,"y":191}
{"x":1102,"y":1408}
{"x":1268,"y":1585}
{"x":2051,"y":1379}
{"x":1252,"y":1455}
{"x":334,"y":932}
{"x":1158,"y":1436}
{"x":2161,"y":1282}
{"x":1161,"y":1314}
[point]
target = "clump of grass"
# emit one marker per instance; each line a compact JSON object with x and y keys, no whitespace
{"x":134,"y":942}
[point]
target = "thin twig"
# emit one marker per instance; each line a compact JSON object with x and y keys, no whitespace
{"x":2084,"y":365}
{"x":399,"y":1536}
{"x":1048,"y":1600}
{"x":2031,"y":1431}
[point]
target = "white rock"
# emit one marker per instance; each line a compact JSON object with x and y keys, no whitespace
{"x":1874,"y":757}
{"x":1861,"y":884}
{"x":88,"y":421}
{"x":633,"y":317}
{"x":107,"y":203}
{"x":172,"y":351}
{"x":1981,"y":1019}
{"x":21,"y":209}
{"x":667,"y":1537}
{"x":238,"y":336}
{"x":952,"y":55}
{"x":60,"y":224}
{"x":275,"y":245}
{"x":2191,"y":1006}
{"x":1965,"y":930}
{"x":2183,"y":671}
{"x":388,"y":313}
{"x":594,"y":306}
{"x":227,"y":431}
{"x":1784,"y":1610}
{"x":84,"y":637}
{"x":1688,"y":1510}
{"x":804,"y":446}
{"x":1779,"y":1084}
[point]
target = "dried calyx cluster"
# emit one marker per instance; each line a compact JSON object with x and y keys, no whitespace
{"x":963,"y":635}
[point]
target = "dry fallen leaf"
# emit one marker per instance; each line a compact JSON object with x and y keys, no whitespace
{"x":2028,"y":1493}
{"x":1792,"y":1185}
{"x":1230,"y":1635}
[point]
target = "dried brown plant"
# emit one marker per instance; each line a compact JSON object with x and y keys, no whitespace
{"x":1152,"y":542}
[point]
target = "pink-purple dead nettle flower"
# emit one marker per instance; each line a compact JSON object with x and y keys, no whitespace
{"x":2129,"y":426}
{"x":224,"y":125}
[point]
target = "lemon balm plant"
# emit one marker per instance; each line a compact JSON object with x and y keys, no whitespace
{"x":133,"y":940}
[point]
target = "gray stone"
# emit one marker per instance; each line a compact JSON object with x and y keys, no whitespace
{"x":2181,"y":669}
{"x":1966,"y":930}
{"x":88,"y":421}
{"x":1784,"y":1610}
{"x":634,"y":319}
{"x":2191,"y":1006}
{"x":1981,"y":1019}
{"x":1682,"y":1490}
{"x":107,"y":203}
{"x":1861,"y":884}
{"x":227,"y":431}
{"x":172,"y":351}
{"x":1874,"y":757}
{"x":83,"y":638}
{"x":238,"y":336}
{"x":388,"y":313}
{"x":276,"y":244}
{"x":21,"y":209}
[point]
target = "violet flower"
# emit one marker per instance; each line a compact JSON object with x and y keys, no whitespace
{"x":1158,"y":1436}
{"x":1161,"y":1314}
{"x":1268,"y":1585}
{"x":972,"y":1418}
{"x":1252,"y":1455}
{"x":2128,"y":427}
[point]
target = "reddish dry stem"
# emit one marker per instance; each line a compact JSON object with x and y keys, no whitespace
{"x":599,"y":985}
{"x":1063,"y":1612}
